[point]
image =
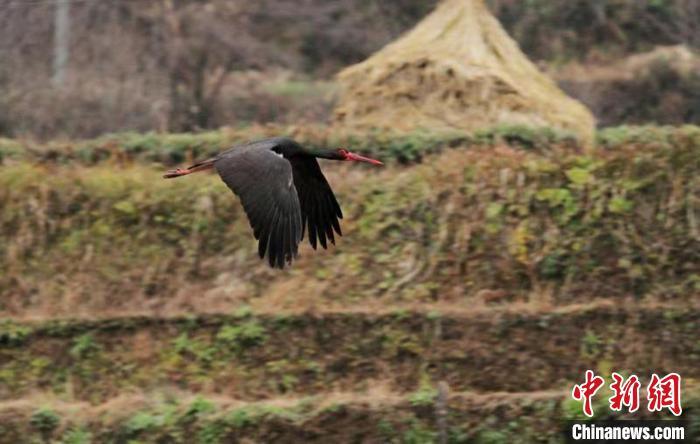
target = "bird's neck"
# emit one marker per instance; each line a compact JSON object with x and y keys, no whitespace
{"x":324,"y":153}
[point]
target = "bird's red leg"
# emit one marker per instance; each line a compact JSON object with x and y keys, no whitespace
{"x":176,"y":173}
{"x":207,"y":164}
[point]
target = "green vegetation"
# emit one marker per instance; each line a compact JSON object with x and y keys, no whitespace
{"x":170,"y":149}
{"x":12,"y":334}
{"x":609,"y":222}
{"x":77,"y":436}
{"x":83,"y":346}
{"x":241,"y":336}
{"x":424,"y":396}
{"x":45,"y":421}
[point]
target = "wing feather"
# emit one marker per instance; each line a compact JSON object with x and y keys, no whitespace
{"x":264,"y":183}
{"x":319,"y":207}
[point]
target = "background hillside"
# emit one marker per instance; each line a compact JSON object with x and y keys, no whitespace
{"x":175,"y":65}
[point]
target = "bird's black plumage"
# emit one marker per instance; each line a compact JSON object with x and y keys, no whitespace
{"x":319,"y":208}
{"x":283,"y":192}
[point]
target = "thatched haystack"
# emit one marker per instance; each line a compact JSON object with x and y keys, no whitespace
{"x":456,"y":70}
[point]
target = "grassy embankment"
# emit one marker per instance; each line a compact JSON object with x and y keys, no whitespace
{"x":486,"y":221}
{"x":510,"y":263}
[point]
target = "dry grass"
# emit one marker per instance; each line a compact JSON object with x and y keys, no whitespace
{"x":121,"y":407}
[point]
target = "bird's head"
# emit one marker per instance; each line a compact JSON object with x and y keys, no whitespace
{"x":347,"y":155}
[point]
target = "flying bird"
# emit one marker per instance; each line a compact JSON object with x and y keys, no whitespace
{"x":283,"y":192}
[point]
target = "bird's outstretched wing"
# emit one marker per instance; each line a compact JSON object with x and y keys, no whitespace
{"x":319,"y":208}
{"x":264,"y":183}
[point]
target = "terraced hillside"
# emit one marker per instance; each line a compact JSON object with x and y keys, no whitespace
{"x":471,"y":290}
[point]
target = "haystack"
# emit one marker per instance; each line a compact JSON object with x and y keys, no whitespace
{"x":456,"y":70}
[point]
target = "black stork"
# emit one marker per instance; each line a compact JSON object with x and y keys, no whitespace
{"x":283,"y":191}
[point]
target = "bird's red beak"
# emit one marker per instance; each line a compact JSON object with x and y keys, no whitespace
{"x":358,"y":158}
